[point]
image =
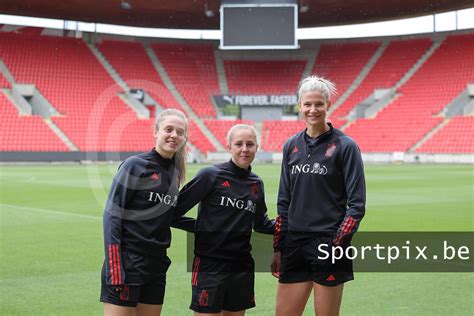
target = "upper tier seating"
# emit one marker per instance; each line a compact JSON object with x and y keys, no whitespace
{"x":198,"y":139}
{"x":411,"y":116}
{"x":3,"y":82}
{"x":342,"y":62}
{"x":75,"y":83}
{"x":130,"y":60}
{"x":396,"y":60}
{"x":263,"y":77}
{"x":192,"y":69}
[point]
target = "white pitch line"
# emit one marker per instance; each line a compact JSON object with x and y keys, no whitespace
{"x":42,"y":210}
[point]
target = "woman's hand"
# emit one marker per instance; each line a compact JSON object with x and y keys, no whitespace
{"x":276,"y":263}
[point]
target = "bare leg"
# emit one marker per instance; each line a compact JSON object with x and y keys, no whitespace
{"x":292,"y":297}
{"x":327,"y":299}
{"x":115,"y":310}
{"x":148,"y":310}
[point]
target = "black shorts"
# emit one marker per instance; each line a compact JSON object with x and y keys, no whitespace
{"x":145,"y":281}
{"x":307,"y":262}
{"x":219,"y":285}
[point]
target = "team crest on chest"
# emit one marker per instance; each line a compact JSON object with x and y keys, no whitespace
{"x":255,"y":189}
{"x":330,"y":150}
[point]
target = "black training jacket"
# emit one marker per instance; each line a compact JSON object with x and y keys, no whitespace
{"x":322,"y":187}
{"x":138,"y":211}
{"x":231,"y":204}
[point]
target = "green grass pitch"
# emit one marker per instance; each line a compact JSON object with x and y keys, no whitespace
{"x":51,"y":241}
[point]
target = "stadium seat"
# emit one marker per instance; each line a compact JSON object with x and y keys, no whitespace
{"x":220,"y":128}
{"x":342,"y":62}
{"x":412,"y":115}
{"x":130,"y":60}
{"x":75,"y":83}
{"x":275,"y":133}
{"x":3,"y":82}
{"x":396,"y":60}
{"x":454,"y":137}
{"x":192,"y":68}
{"x":263,"y":77}
{"x":25,"y":133}
{"x":198,"y":139}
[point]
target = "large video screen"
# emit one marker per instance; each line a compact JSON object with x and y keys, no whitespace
{"x":264,"y":26}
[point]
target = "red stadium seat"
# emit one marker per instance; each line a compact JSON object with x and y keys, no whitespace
{"x":26,"y":133}
{"x":220,"y":128}
{"x":130,"y":60}
{"x":263,"y":77}
{"x":408,"y":118}
{"x":192,"y":68}
{"x":395,"y":61}
{"x":454,"y":137}
{"x":342,"y":62}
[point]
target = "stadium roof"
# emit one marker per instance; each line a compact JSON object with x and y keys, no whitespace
{"x":203,"y":14}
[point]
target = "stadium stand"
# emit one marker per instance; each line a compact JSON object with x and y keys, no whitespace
{"x":275,"y":133}
{"x":198,"y":139}
{"x":70,"y":77}
{"x":263,"y":77}
{"x":130,"y":60}
{"x":3,"y":82}
{"x":30,"y":31}
{"x":192,"y":69}
{"x":220,"y":128}
{"x":66,"y":72}
{"x":454,"y":137}
{"x":411,"y":116}
{"x":342,"y":62}
{"x":25,"y":133}
{"x":396,"y":60}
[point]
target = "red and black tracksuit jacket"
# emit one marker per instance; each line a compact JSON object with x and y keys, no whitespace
{"x":231,"y":204}
{"x":322,"y":188}
{"x":138,"y":212}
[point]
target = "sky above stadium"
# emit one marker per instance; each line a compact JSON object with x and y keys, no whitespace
{"x":449,"y":21}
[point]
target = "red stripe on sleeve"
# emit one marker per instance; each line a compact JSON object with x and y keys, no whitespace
{"x":114,"y":261}
{"x":111,"y":266}
{"x":116,"y":265}
{"x":119,"y":268}
{"x":347,"y":226}
{"x":276,"y":236}
{"x":351,"y":227}
{"x":195,"y":271}
{"x":339,"y":237}
{"x":346,"y":229}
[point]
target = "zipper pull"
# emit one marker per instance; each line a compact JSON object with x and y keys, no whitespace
{"x":309,"y":155}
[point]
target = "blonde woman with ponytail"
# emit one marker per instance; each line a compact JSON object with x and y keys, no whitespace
{"x":137,"y":219}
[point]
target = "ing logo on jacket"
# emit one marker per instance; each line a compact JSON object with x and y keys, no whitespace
{"x":238,"y":204}
{"x":316,"y":168}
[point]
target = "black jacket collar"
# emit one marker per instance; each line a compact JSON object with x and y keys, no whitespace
{"x":161,"y":160}
{"x":239,"y":171}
